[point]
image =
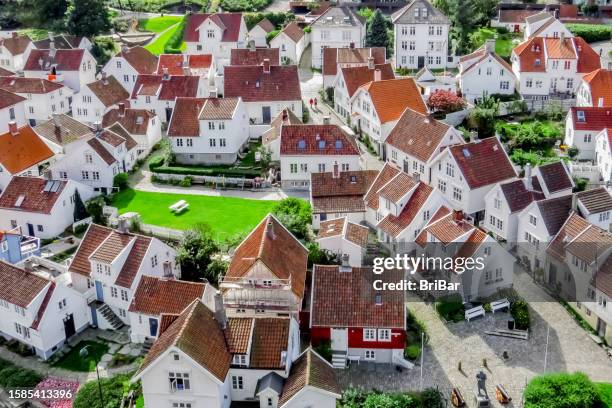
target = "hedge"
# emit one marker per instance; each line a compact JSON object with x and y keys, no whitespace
{"x":113,"y":390}
{"x":591,"y":32}
{"x":561,"y":390}
{"x":173,"y":46}
{"x":244,"y":5}
{"x":156,"y":162}
{"x":12,"y":376}
{"x":201,"y":171}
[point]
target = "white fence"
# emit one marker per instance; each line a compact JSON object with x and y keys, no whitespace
{"x":85,"y":221}
{"x":455,"y":118}
{"x":218,"y":180}
{"x":162,"y":232}
{"x":540,"y":105}
{"x":586,"y":171}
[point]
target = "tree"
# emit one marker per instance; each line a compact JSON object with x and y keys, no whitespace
{"x":216,"y":268}
{"x":445,"y":101}
{"x":195,"y":254}
{"x":95,"y":209}
{"x":87,"y":18}
{"x":121,"y":181}
{"x":80,"y":212}
{"x":561,"y":390}
{"x":51,"y":9}
{"x":319,"y":256}
{"x":482,"y":118}
{"x":377,"y":34}
{"x":112,"y":391}
{"x":296,"y":215}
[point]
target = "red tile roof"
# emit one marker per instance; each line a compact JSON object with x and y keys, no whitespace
{"x":9,"y":98}
{"x":384,"y":176}
{"x":196,"y":333}
{"x":316,"y":140}
{"x":29,"y":193}
{"x":342,"y":227}
{"x":6,"y":72}
{"x":354,"y":77}
{"x":166,"y":90}
{"x":266,"y":25}
{"x":340,"y":195}
{"x":554,"y":212}
{"x":23,"y":150}
{"x":28,"y":85}
{"x":419,"y":135}
{"x":446,"y":226}
{"x":64,"y":60}
{"x":293,"y":31}
{"x":600,"y":82}
{"x":531,"y":55}
{"x":19,"y":287}
{"x":270,"y":338}
{"x":518,"y":196}
{"x":391,"y":98}
{"x":483,"y":162}
{"x":135,"y":121}
{"x":393,"y":225}
{"x":95,"y":235}
{"x":229,"y":22}
{"x":246,"y":56}
{"x":354,"y":56}
{"x":238,"y":334}
{"x":101,"y":151}
{"x":348,"y":299}
{"x":16,"y":45}
{"x":572,"y":226}
{"x":133,"y":262}
{"x":43,"y":306}
{"x":538,"y":49}
{"x":140,"y":59}
{"x":175,"y":63}
{"x":254,"y":85}
{"x":555,"y":176}
{"x":109,"y":91}
{"x":595,"y":200}
{"x":515,"y":16}
{"x":188,"y":112}
{"x":588,"y":59}
{"x":595,"y":118}
{"x":398,"y":187}
{"x":272,"y":244}
{"x":155,"y":296}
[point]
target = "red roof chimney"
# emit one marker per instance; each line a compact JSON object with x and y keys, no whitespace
{"x":13,"y":128}
{"x":377,"y":75}
{"x":266,"y":66}
{"x":121,"y":109}
{"x":457,"y":215}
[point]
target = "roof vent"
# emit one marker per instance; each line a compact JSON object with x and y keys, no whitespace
{"x":580,"y":116}
{"x":321,"y":144}
{"x":466,"y":153}
{"x":378,"y":299}
{"x":338,"y":144}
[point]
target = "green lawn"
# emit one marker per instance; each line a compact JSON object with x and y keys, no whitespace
{"x":74,"y":362}
{"x":503,"y":43}
{"x":35,"y":34}
{"x":157,"y":46}
{"x":158,"y":24}
{"x":605,"y":391}
{"x":226,"y":216}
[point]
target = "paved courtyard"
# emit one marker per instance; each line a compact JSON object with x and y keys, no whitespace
{"x":569,"y":349}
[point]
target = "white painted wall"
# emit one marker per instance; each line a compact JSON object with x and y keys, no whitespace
{"x":433,"y":49}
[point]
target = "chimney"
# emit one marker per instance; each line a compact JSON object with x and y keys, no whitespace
{"x":186,"y":71}
{"x":121,"y":109}
{"x":212,"y":93}
{"x":371,"y":62}
{"x":336,"y":170}
{"x":377,"y":75}
{"x":165,"y":76}
{"x":122,"y":225}
{"x":266,"y":66}
{"x":124,"y":48}
{"x":326,"y":120}
{"x":344,"y":265}
{"x":528,"y":181}
{"x":490,"y":45}
{"x":52,"y":49}
{"x":285,"y":116}
{"x":185,"y":60}
{"x":270,"y":229}
{"x":13,"y":128}
{"x":220,"y":311}
{"x":416,"y":177}
{"x":252,"y":46}
{"x":473,"y":136}
{"x":104,"y":78}
{"x":574,"y":202}
{"x":50,"y":34}
{"x":457,"y":215}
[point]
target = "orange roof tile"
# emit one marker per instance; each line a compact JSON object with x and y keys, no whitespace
{"x":600,"y":82}
{"x":391,"y":97}
{"x":23,"y":150}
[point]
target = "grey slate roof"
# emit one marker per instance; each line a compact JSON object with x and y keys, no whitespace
{"x":270,"y":380}
{"x":406,"y":14}
{"x":595,"y":200}
{"x":339,"y":17}
{"x":555,"y":212}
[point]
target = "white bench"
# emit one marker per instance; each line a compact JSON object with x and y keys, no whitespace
{"x":500,"y":304}
{"x":179,"y":206}
{"x":354,"y":358}
{"x":474,"y":312}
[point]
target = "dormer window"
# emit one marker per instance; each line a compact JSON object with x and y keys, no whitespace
{"x":580,"y":115}
{"x":239,"y":360}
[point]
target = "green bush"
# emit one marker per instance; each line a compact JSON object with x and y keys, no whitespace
{"x":561,"y":390}
{"x":244,"y":5}
{"x":173,"y":46}
{"x":391,"y":401}
{"x":324,"y":350}
{"x":278,"y":19}
{"x":121,"y":181}
{"x":112,"y":390}
{"x":295,"y":214}
{"x":412,"y":352}
{"x":12,"y":376}
{"x":591,"y":32}
{"x":432,"y":398}
{"x":451,"y":308}
{"x":520,"y":312}
{"x":203,"y":171}
{"x":156,"y":162}
{"x":186,"y":182}
{"x":580,"y":184}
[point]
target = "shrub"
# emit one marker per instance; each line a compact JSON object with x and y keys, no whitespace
{"x":203,"y":171}
{"x":580,"y":184}
{"x":121,"y":181}
{"x":278,"y":19}
{"x":572,"y":152}
{"x":412,"y":352}
{"x":445,"y":101}
{"x":94,"y":208}
{"x":561,"y":390}
{"x":173,"y":46}
{"x":295,"y":214}
{"x":186,"y":182}
{"x":451,"y":308}
{"x":12,"y":376}
{"x":520,"y":312}
{"x":432,"y":398}
{"x":112,"y":390}
{"x":319,"y":256}
{"x":156,"y":162}
{"x":324,"y":350}
{"x":244,"y":5}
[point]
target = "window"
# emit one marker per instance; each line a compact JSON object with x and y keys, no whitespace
{"x":412,"y":45}
{"x":239,"y":359}
{"x":604,"y":216}
{"x":237,"y":382}
{"x":181,"y":405}
{"x":63,"y":175}
{"x":532,"y":240}
{"x":498,"y":274}
{"x":529,"y":83}
{"x":404,"y":45}
{"x":457,"y":194}
{"x":212,"y":142}
{"x":147,"y":99}
{"x":488,"y":276}
{"x":346,"y":35}
{"x":384,"y":335}
{"x":369,"y":334}
{"x":88,"y":158}
{"x":489,"y":71}
{"x":321,"y":167}
{"x":40,"y":228}
{"x":95,"y":175}
{"x":533,"y":220}
{"x":222,"y":142}
{"x":570,"y":83}
{"x":450,"y":170}
{"x":179,"y":381}
{"x":345,"y":167}
{"x":431,"y":30}
{"x":504,"y":85}
{"x":122,"y":313}
{"x":62,"y":304}
{"x":567,"y":65}
{"x":189,"y":142}
{"x":497,"y":203}
{"x":124,"y":295}
{"x":370,"y":355}
{"x":439,"y":30}
{"x":442,"y":186}
{"x":304,"y":167}
{"x":126,"y":78}
{"x":210,"y":33}
{"x":118,"y":64}
{"x":20,"y":310}
{"x":31,"y":109}
{"x":114,"y":292}
{"x":221,"y":125}
{"x":211,"y":125}
{"x":412,"y":30}
{"x":154,"y":261}
{"x":293,"y":168}
{"x":587,"y":138}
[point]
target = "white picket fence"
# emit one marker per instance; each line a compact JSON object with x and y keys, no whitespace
{"x":162,"y":232}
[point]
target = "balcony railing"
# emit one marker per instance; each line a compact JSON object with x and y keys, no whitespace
{"x":264,"y":304}
{"x":244,"y":283}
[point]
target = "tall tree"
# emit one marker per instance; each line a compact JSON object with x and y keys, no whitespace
{"x":80,"y":212}
{"x":377,"y":34}
{"x":195,"y":255}
{"x":51,"y":9}
{"x":87,"y":17}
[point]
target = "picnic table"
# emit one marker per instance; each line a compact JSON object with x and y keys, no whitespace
{"x":179,"y":206}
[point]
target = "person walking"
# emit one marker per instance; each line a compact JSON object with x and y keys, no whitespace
{"x":310,"y":103}
{"x":315,"y":103}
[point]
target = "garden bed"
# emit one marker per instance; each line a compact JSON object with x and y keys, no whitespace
{"x":73,"y":361}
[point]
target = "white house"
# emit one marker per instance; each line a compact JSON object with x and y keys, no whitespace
{"x":603,"y":155}
{"x":339,"y":194}
{"x":372,"y":196}
{"x":450,"y":234}
{"x":44,"y":207}
{"x":349,"y":79}
{"x":143,"y":125}
{"x":344,"y":239}
{"x":12,"y":109}
{"x":22,"y":152}
{"x":267,"y":274}
{"x":109,"y":264}
{"x":155,"y":297}
{"x":582,"y":125}
{"x":307,"y":149}
{"x":129,"y":63}
{"x":215,"y":34}
{"x":465,"y":173}
{"x":416,"y":140}
{"x":545,"y":24}
{"x":483,"y":72}
{"x":14,"y":51}
{"x":421,"y":36}
{"x":158,"y":93}
{"x":336,"y":27}
{"x":291,"y":41}
{"x":43,"y":98}
{"x":208,"y":131}
{"x":258,"y":34}
{"x":74,"y":68}
{"x":97,"y":98}
{"x":595,"y":206}
{"x":549,"y":66}
{"x":429,"y":83}
{"x":41,"y":312}
{"x":538,"y":223}
{"x":378,"y":105}
{"x":336,"y":58}
{"x":265,"y":89}
{"x":594,"y":89}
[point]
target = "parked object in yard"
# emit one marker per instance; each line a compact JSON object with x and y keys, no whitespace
{"x":456,"y":398}
{"x":474,"y":312}
{"x":500,"y":304}
{"x":179,"y":206}
{"x":502,"y":395}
